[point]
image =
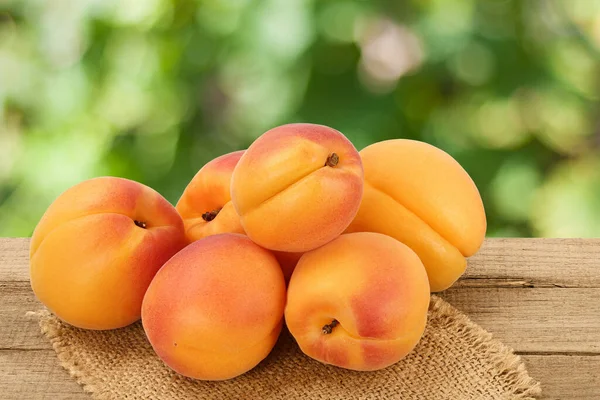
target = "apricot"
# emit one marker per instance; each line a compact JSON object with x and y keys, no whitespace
{"x":360,"y":302}
{"x":215,"y":309}
{"x":297,"y":187}
{"x":98,"y":246}
{"x":421,"y":196}
{"x":205,"y":204}
{"x":287,"y":262}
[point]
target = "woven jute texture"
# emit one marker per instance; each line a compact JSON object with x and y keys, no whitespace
{"x":456,"y":359}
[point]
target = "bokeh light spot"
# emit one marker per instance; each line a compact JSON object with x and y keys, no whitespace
{"x":473,"y":64}
{"x":497,"y":124}
{"x":513,"y":188}
{"x":568,"y":203}
{"x":337,"y":20}
{"x":388,"y":51}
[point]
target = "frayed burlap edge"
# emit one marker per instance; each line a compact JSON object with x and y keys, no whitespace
{"x":509,"y":365}
{"x":52,"y":328}
{"x":506,"y":361}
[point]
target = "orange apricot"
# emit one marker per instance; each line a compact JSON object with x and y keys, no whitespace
{"x":98,"y":246}
{"x":215,"y":309}
{"x":360,"y":302}
{"x":205,"y":204}
{"x":421,"y":196}
{"x":288,"y":262}
{"x":297,"y":187}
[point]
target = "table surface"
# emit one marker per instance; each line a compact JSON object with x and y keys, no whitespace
{"x":539,"y":296}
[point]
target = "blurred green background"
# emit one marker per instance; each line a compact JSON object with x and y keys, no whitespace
{"x":152,"y":90}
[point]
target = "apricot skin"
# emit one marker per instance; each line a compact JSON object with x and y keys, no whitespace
{"x":287,"y":262}
{"x":419,"y":195}
{"x":209,"y":190}
{"x":373,"y":286}
{"x":289,"y":196}
{"x":215,"y":309}
{"x":90,"y":263}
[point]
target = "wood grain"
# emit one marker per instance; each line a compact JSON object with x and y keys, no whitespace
{"x":14,"y":260}
{"x":36,"y":374}
{"x":554,"y":263}
{"x":20,"y":331}
{"x":570,"y":377}
{"x":535,"y":320}
{"x":539,"y":296}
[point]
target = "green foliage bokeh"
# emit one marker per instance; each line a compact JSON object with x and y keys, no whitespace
{"x":152,"y":90}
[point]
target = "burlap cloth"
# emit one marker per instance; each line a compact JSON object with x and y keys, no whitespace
{"x":456,"y":359}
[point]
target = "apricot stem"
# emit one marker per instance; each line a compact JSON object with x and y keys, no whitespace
{"x":332,"y":160}
{"x":327,"y":329}
{"x":210,"y":215}
{"x":140,"y":223}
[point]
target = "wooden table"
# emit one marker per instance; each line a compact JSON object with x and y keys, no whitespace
{"x":539,"y":296}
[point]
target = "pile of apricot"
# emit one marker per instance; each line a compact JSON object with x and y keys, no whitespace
{"x":343,"y":247}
